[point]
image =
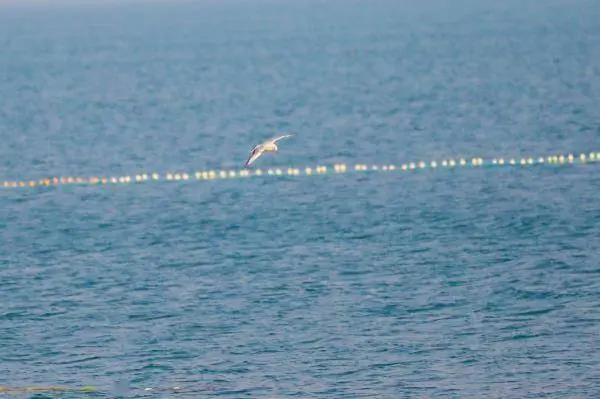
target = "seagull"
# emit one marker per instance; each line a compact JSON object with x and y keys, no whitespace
{"x":267,"y":146}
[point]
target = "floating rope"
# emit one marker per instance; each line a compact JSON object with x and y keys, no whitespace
{"x":92,"y":390}
{"x":305,"y":171}
{"x":41,"y":389}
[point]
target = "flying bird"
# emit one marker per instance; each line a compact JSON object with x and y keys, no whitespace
{"x":267,"y":146}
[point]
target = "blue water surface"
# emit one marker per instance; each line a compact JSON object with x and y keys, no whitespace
{"x":463,"y":283}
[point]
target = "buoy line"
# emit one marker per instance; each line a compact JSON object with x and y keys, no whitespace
{"x":339,"y":168}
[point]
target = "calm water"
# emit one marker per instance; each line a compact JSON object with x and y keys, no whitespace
{"x":467,"y":283}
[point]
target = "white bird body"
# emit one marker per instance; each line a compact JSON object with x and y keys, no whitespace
{"x":268,"y":146}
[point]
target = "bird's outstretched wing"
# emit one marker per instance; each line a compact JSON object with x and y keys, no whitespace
{"x":276,"y":139}
{"x":254,"y":155}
